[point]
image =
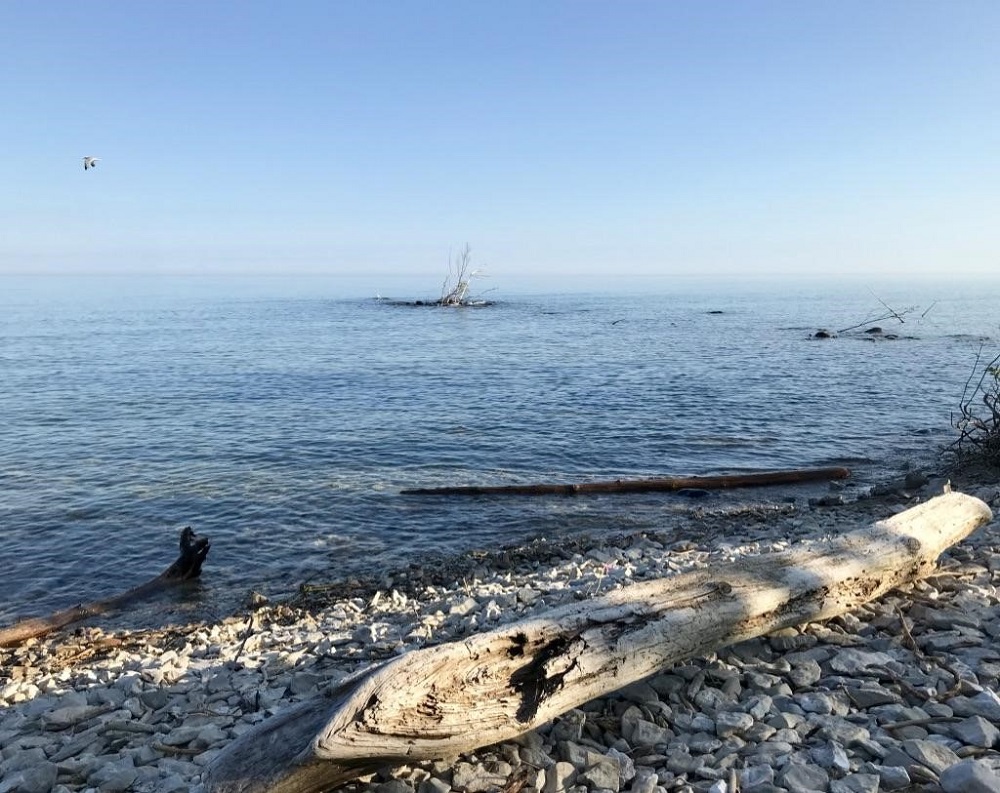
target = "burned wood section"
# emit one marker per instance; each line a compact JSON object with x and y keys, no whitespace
{"x":669,"y":483}
{"x":187,"y":566}
{"x":454,"y":698}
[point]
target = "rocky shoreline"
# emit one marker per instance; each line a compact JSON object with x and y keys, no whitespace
{"x":903,"y":694}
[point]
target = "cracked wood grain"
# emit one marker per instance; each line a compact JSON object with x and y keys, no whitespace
{"x":445,"y":700}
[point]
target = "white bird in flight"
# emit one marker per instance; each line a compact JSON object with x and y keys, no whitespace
{"x":90,"y":162}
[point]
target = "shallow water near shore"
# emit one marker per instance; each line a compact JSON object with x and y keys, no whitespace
{"x":281,"y":419}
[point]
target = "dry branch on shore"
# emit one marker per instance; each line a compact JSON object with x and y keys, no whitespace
{"x":494,"y":686}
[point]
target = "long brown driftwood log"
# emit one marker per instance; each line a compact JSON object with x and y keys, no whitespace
{"x":445,"y":700}
{"x":194,"y":549}
{"x":759,"y":479}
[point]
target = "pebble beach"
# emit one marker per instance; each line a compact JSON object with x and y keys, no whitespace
{"x":902,"y":694}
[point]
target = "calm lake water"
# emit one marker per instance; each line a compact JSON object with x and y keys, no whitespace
{"x":282,"y":418}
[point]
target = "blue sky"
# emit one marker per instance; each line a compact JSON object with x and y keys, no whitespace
{"x":562,"y":140}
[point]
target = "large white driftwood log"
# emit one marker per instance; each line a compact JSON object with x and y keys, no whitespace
{"x":442,"y":701}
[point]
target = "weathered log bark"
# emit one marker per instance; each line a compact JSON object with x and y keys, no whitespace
{"x":760,"y":479}
{"x":445,"y":700}
{"x":187,"y":566}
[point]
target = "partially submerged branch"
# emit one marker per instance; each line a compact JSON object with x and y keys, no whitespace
{"x":193,"y":551}
{"x":670,"y":483}
{"x":892,"y":314}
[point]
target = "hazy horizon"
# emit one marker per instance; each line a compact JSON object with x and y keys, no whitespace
{"x":566,"y":142}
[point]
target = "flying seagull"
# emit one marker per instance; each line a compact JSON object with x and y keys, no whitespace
{"x":90,"y":162}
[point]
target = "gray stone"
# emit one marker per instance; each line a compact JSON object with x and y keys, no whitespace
{"x":433,"y":785}
{"x":642,"y":693}
{"x":759,"y":732}
{"x":844,"y":732}
{"x":816,"y":702}
{"x":893,"y":777}
{"x":559,"y":777}
{"x":732,"y":723}
{"x":176,"y":784}
{"x":603,"y":772}
{"x":572,"y":753}
{"x":772,"y":749}
{"x":805,"y":673}
{"x":393,"y":786}
{"x":797,"y":641}
{"x":626,"y":765}
{"x":785,"y":721}
{"x":985,"y":704}
{"x":645,"y":781}
{"x":534,"y":757}
{"x":476,"y":778}
{"x":976,"y":731}
{"x":969,"y":776}
{"x":931,"y":754}
{"x":759,"y":706}
{"x":699,"y":723}
{"x":754,"y":777}
{"x":873,"y":749}
{"x":799,"y":778}
{"x":304,"y":682}
{"x":37,"y":779}
{"x":713,"y":699}
{"x":569,"y":727}
{"x":870,"y":696}
{"x":856,"y":783}
{"x":20,"y":759}
{"x":681,"y":762}
{"x":180,"y":736}
{"x":702,"y":742}
{"x":831,"y":756}
{"x":647,"y":734}
{"x":62,"y":718}
{"x":156,"y":698}
{"x":117,"y":781}
{"x":464,"y":608}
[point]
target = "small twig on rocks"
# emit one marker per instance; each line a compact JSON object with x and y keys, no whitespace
{"x":957,"y":573}
{"x":246,"y":636}
{"x":182,"y":750}
{"x":908,"y":687}
{"x":957,"y":685}
{"x":898,"y":725}
{"x":120,"y":725}
{"x":908,"y":641}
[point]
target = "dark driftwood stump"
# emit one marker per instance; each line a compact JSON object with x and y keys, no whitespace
{"x":668,"y":483}
{"x":194,"y":549}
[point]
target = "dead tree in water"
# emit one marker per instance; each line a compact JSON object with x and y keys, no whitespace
{"x":187,"y":566}
{"x":491,"y":687}
{"x":455,"y":290}
{"x":893,"y":314}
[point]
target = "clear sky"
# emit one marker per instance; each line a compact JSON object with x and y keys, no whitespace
{"x":569,"y":140}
